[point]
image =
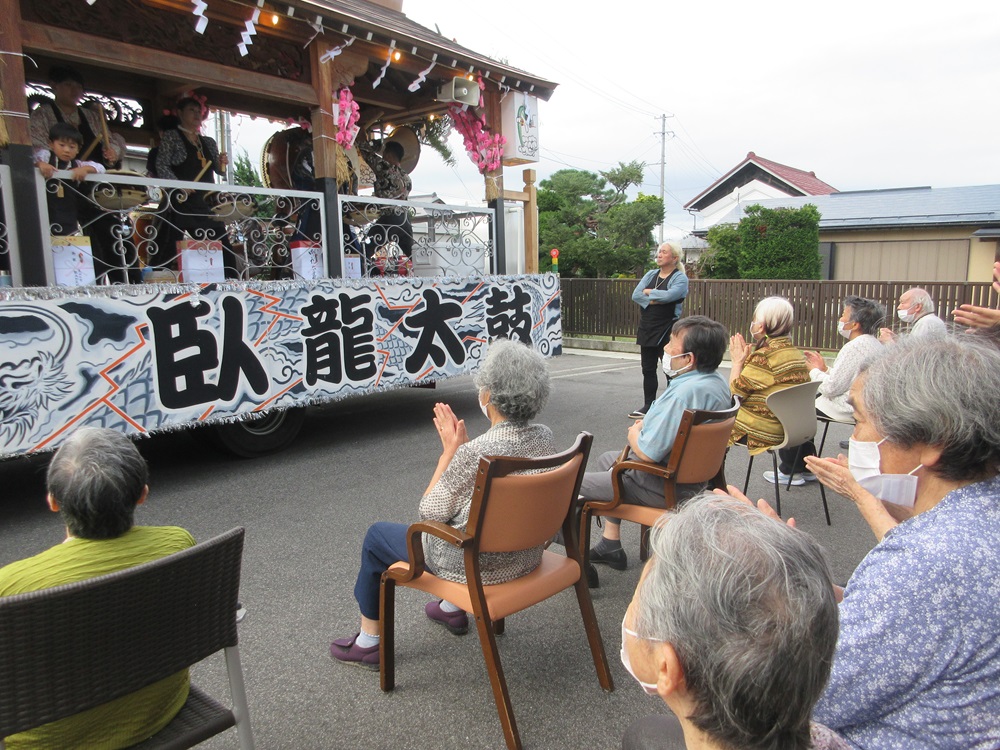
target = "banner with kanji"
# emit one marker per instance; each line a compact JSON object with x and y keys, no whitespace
{"x":142,"y":359}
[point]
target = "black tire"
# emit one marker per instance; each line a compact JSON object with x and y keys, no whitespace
{"x":259,"y":436}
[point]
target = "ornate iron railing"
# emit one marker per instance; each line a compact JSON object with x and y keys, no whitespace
{"x":425,"y":239}
{"x":8,"y":233}
{"x":134,"y":224}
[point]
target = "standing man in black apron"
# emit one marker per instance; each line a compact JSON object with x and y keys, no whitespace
{"x":660,"y":294}
{"x":100,"y":227}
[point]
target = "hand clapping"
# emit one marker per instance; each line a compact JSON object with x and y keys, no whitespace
{"x":450,"y":428}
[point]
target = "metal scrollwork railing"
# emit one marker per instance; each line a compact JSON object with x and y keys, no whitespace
{"x":399,"y":238}
{"x":138,"y":228}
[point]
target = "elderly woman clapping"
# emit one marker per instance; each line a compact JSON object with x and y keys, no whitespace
{"x":918,"y":660}
{"x":768,"y":363}
{"x":733,"y":625}
{"x":513,"y":387}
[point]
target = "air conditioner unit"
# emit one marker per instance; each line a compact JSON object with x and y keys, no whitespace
{"x":460,"y":90}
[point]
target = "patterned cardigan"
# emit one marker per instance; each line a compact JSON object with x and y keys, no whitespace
{"x":450,"y":499}
{"x":776,"y":365}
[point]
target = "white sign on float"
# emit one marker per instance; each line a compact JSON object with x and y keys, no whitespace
{"x":519,"y":112}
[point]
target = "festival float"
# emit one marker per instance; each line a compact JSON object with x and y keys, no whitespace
{"x":182,"y":301}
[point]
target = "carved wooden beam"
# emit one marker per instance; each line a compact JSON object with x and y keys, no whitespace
{"x":90,"y":50}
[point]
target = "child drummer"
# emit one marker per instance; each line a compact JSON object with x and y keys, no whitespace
{"x":64,"y":145}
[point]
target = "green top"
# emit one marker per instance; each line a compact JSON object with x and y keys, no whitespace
{"x":131,"y":718}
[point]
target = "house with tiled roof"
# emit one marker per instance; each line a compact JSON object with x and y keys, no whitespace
{"x":753,"y":180}
{"x":902,"y":234}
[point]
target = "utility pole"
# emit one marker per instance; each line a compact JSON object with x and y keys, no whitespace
{"x":663,"y":165}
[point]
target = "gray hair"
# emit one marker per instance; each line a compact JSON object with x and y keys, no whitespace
{"x":942,"y":392}
{"x":517,"y":378}
{"x":97,"y":477}
{"x":775,"y":314}
{"x":748,"y":605}
{"x":920,"y":297}
{"x":869,"y":314}
{"x":676,"y":250}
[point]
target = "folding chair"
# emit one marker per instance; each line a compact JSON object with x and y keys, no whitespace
{"x":510,"y":511}
{"x":69,"y":648}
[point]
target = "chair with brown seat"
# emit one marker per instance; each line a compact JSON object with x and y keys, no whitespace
{"x":511,"y":510}
{"x":66,"y":649}
{"x":698,"y":456}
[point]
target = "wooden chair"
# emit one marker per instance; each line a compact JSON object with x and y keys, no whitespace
{"x":510,"y":511}
{"x":698,"y":455}
{"x":795,"y":408}
{"x":67,"y":649}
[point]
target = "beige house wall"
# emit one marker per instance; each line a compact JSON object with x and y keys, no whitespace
{"x":982,"y":255}
{"x":931,"y":254}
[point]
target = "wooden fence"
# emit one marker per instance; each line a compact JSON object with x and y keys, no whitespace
{"x":604,"y":307}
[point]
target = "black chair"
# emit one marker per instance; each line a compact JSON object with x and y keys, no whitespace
{"x":57,"y":659}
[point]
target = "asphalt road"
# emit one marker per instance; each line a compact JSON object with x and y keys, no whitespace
{"x":306,"y":511}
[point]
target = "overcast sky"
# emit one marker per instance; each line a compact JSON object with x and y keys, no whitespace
{"x":865,"y":94}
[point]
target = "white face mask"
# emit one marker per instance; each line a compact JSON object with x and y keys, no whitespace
{"x":846,"y":333}
{"x":649,"y":688}
{"x":483,"y":404}
{"x":905,"y":315}
{"x":671,"y":373}
{"x":865,"y":460}
{"x":754,"y":334}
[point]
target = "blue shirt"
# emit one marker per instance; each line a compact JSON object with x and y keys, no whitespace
{"x":692,"y":390}
{"x":675,"y":290}
{"x":918,"y":658}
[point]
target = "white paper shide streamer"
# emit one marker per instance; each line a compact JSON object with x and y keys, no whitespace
{"x":200,"y":6}
{"x":422,"y":76}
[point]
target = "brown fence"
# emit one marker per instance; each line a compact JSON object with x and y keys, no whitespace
{"x":604,"y":307}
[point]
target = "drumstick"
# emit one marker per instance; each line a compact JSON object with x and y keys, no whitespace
{"x":104,"y":126}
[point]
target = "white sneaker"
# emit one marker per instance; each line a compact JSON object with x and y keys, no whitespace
{"x":797,"y":480}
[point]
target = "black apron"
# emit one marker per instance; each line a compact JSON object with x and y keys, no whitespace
{"x":655,"y":321}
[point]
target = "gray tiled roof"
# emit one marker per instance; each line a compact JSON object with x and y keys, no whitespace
{"x":387,"y":23}
{"x":978,"y":205}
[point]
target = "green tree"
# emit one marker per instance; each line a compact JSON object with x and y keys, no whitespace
{"x":721,"y":259}
{"x":779,"y":243}
{"x":597,"y":231}
{"x":245,"y":173}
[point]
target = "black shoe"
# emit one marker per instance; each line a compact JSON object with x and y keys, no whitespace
{"x":616,"y":559}
{"x":845,"y":444}
{"x":638,"y":413}
{"x":593,"y":580}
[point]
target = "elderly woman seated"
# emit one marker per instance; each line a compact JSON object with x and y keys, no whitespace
{"x":513,"y":387}
{"x":733,"y":625}
{"x":760,"y":368}
{"x":918,"y":660}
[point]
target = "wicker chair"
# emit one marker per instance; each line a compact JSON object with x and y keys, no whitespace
{"x":509,"y":512}
{"x":57,"y":659}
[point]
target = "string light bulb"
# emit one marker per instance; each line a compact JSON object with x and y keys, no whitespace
{"x":396,"y":55}
{"x":274,"y":19}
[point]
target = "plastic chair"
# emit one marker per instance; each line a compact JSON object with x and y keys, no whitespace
{"x":698,"y":456}
{"x":795,"y":408}
{"x":827,"y":420}
{"x":57,"y":659}
{"x":510,"y":511}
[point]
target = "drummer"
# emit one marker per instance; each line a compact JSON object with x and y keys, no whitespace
{"x":100,"y":146}
{"x":391,"y":181}
{"x":186,"y":154}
